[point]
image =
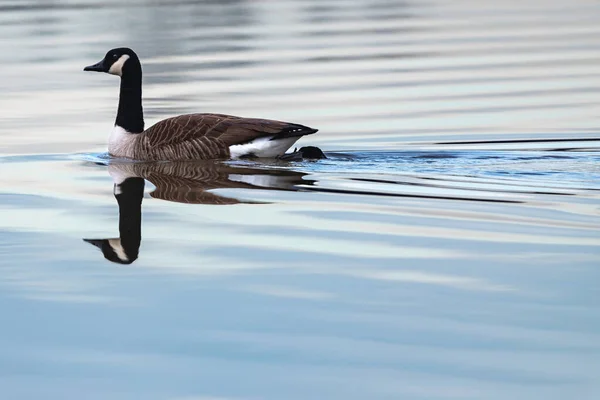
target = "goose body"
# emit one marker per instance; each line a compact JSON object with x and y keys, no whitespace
{"x":191,"y":136}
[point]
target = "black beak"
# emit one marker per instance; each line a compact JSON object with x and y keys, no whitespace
{"x":98,"y":67}
{"x":95,"y":242}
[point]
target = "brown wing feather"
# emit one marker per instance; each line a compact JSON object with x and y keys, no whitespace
{"x":208,"y":136}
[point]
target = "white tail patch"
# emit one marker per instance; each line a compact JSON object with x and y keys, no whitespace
{"x":117,"y":67}
{"x":256,"y":180}
{"x":262,"y":147}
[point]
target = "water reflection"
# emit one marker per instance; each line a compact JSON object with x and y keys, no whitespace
{"x":125,"y":248}
{"x":183,"y":182}
{"x":387,"y":280}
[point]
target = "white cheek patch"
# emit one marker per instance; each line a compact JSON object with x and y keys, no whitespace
{"x":118,"y":248}
{"x":117,"y":67}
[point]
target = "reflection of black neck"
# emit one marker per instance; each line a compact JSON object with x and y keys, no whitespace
{"x":129,"y":195}
{"x":130,"y":115}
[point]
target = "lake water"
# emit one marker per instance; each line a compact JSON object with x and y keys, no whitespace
{"x":447,"y":248}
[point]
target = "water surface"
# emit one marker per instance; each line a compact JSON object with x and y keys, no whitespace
{"x":448,"y":247}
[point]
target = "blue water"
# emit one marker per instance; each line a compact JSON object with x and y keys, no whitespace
{"x":448,"y":247}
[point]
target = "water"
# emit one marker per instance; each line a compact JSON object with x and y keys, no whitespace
{"x":447,"y":248}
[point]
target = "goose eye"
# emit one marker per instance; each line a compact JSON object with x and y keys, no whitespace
{"x":114,"y":56}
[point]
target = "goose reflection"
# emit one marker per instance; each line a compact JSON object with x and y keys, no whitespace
{"x":179,"y":182}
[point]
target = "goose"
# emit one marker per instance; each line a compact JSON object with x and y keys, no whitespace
{"x":124,"y":249}
{"x":190,"y":136}
{"x":194,"y":182}
{"x":182,"y":182}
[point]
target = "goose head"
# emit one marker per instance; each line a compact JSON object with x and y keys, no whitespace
{"x":114,"y":250}
{"x":129,"y":192}
{"x":121,"y":61}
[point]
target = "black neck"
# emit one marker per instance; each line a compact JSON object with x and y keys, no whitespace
{"x":130,"y":115}
{"x":129,"y":198}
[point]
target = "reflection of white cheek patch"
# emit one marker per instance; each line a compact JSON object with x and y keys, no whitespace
{"x":118,"y":248}
{"x":117,"y":67}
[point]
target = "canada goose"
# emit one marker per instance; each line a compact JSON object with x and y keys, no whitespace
{"x":193,"y":182}
{"x":186,"y":137}
{"x":183,"y":182}
{"x":124,"y":249}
